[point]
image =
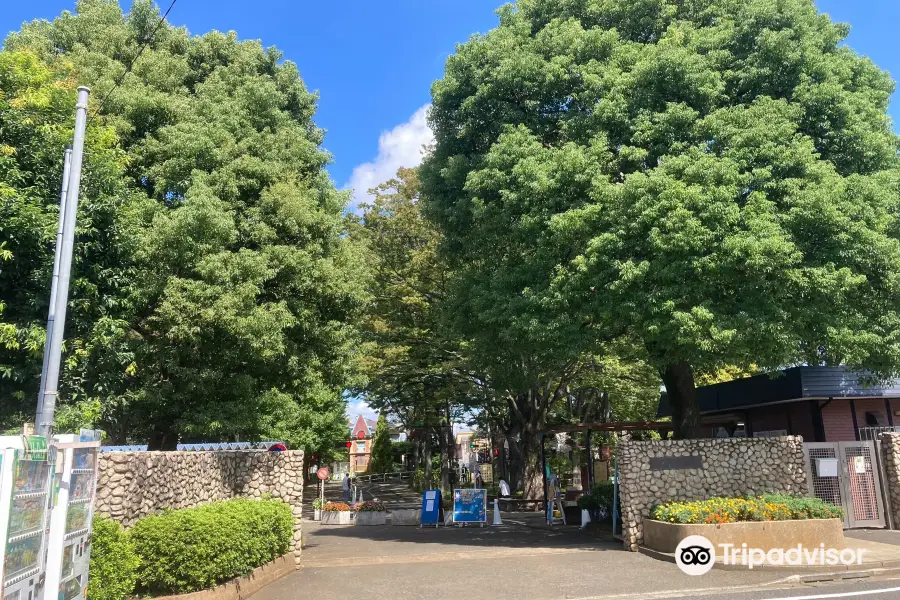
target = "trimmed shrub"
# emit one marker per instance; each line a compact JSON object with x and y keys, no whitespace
{"x":771,"y":507}
{"x":803,"y":507}
{"x":114,"y":562}
{"x":197,"y":548}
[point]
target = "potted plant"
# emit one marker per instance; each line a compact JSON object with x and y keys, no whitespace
{"x":370,"y":513}
{"x":336,"y":513}
{"x":318,"y":503}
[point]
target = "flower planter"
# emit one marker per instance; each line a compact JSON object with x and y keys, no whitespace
{"x":406,"y":516}
{"x":766,"y":535}
{"x":371,"y":518}
{"x":331,"y":517}
{"x":317,"y":514}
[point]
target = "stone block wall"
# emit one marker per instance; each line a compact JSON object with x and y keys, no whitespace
{"x":890,"y":457}
{"x":134,"y":484}
{"x":661,"y":471}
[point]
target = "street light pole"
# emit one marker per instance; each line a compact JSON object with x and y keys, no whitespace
{"x":51,"y":316}
{"x":53,"y":347}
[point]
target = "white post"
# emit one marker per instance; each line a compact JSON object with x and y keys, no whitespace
{"x":44,"y":420}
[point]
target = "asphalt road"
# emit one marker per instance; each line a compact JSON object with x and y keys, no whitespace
{"x":408,"y":563}
{"x":884,"y":589}
{"x":516,"y":561}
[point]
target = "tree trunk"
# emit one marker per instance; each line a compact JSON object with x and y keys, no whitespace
{"x":445,"y":460}
{"x":532,"y":475}
{"x":516,"y":464}
{"x":497,"y":456}
{"x":679,"y":380}
{"x":162,"y":437}
{"x":426,"y":456}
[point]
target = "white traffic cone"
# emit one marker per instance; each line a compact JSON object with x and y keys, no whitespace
{"x":497,"y":520}
{"x":585,"y":518}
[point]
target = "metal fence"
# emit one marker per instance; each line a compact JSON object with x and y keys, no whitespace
{"x":872,"y":433}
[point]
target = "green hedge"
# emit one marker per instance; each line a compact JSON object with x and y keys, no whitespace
{"x":197,"y":548}
{"x":114,"y":562}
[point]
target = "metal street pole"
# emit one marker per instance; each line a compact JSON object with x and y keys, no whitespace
{"x":47,"y":404}
{"x":51,"y":316}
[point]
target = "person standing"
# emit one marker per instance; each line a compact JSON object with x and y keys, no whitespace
{"x":346,"y":486}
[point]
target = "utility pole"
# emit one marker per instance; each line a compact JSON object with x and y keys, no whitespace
{"x":56,"y":322}
{"x":51,"y":317}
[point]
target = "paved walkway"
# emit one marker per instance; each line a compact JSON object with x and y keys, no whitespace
{"x":513,"y":561}
{"x":524,"y":560}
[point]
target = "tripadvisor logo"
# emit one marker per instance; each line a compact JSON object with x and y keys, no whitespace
{"x":695,"y":555}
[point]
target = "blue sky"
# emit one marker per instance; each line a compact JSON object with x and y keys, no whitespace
{"x":373,"y":62}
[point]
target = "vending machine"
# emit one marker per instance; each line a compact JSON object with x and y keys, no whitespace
{"x":69,"y":552}
{"x":26,"y":472}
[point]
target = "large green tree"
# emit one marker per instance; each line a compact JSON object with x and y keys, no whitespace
{"x":413,"y":366}
{"x":381,"y":458}
{"x":715,"y":178}
{"x":245,"y":282}
{"x":37,"y":108}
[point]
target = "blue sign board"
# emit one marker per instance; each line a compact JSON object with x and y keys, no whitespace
{"x":431,"y":507}
{"x":470,"y":506}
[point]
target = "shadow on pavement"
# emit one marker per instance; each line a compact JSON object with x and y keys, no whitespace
{"x":513,"y":536}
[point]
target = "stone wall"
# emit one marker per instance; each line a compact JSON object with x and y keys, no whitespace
{"x":657,"y":472}
{"x":890,"y":454}
{"x":134,"y":484}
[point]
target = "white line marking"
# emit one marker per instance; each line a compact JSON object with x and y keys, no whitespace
{"x":841,"y":595}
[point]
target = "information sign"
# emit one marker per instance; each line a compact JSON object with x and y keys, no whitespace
{"x":470,"y":506}
{"x":431,"y":507}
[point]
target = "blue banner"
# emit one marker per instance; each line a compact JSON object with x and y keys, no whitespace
{"x":469,"y":506}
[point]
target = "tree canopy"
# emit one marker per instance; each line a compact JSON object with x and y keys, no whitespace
{"x":716,"y":179}
{"x":243,"y":287}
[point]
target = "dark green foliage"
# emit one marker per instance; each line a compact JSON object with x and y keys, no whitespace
{"x":37,"y":105}
{"x":715,"y":179}
{"x":114,"y":561}
{"x":381,"y":460}
{"x":197,"y":548}
{"x":600,"y":496}
{"x":225,"y":307}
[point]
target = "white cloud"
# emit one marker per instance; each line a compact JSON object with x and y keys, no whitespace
{"x":399,"y":147}
{"x":358,"y":406}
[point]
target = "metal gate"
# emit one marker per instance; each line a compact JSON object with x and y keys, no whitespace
{"x":846,"y":474}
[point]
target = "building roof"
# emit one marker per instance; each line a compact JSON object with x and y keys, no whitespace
{"x":788,"y":385}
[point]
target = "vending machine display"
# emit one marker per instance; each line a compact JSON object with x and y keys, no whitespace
{"x":26,"y":471}
{"x":69,"y":555}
